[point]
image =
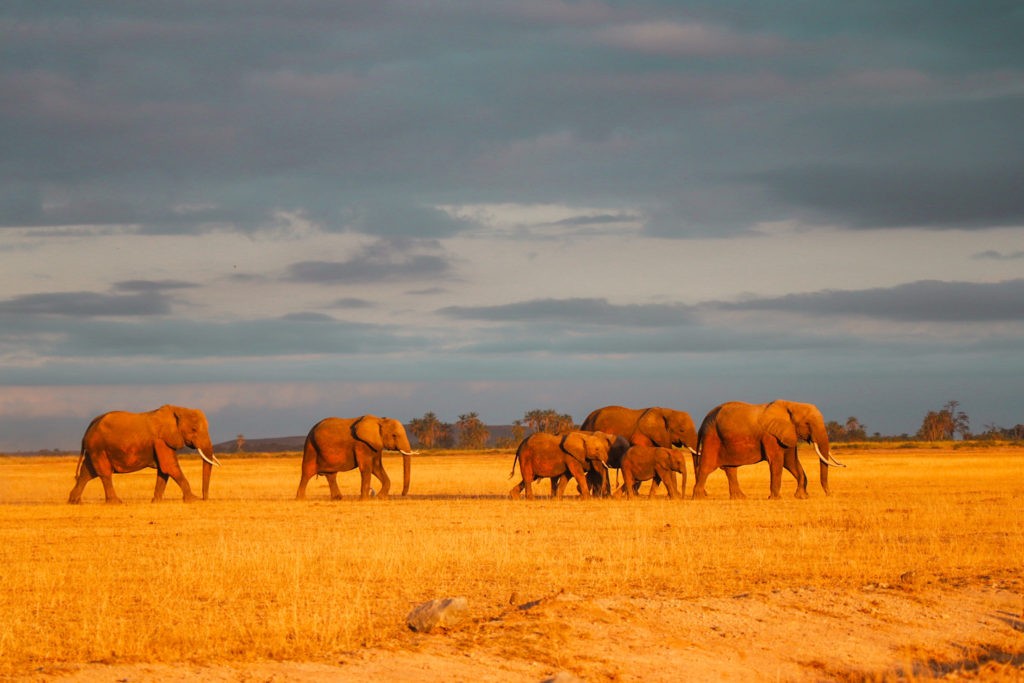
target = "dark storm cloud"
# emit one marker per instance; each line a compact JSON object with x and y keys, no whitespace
{"x":576,"y":311}
{"x":365,"y":116}
{"x":924,"y":301}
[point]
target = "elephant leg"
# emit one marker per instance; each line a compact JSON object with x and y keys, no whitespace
{"x":167,"y":462}
{"x":628,"y":483}
{"x":669,"y":477}
{"x":105,"y":472}
{"x":580,"y":476}
{"x":775,"y":470}
{"x":526,"y":469}
{"x":364,"y":483}
{"x":85,"y":475}
{"x":300,"y":494}
{"x":670,"y":486}
{"x":332,"y":483}
{"x":308,"y":472}
{"x":383,"y":478}
{"x":792,"y":463}
{"x":108,"y":489}
{"x":516,"y":491}
{"x":708,"y":463}
{"x":161,"y":485}
{"x":735,"y":493}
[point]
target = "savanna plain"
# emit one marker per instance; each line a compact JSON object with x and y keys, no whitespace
{"x":910,"y":570}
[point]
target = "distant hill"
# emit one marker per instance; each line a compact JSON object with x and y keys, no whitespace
{"x":278,"y":444}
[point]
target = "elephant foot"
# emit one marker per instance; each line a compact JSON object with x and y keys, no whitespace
{"x":333,"y":497}
{"x":190,"y":498}
{"x":801,"y":494}
{"x":739,"y":495}
{"x":114,"y":501}
{"x":774,"y":496}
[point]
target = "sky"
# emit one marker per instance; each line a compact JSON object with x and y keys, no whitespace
{"x":279,"y":212}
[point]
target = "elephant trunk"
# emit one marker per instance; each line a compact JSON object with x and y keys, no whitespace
{"x":819,"y":437}
{"x":406,"y":469}
{"x":207,"y":470}
{"x":209,"y":460}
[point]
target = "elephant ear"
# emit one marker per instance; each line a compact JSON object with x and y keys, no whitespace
{"x":779,"y":423}
{"x":575,"y":445}
{"x":367,"y":430}
{"x":168,"y":426}
{"x":652,"y":424}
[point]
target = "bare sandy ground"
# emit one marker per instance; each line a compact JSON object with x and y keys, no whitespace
{"x":917,"y":628}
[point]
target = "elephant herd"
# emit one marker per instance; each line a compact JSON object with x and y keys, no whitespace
{"x":647,"y":444}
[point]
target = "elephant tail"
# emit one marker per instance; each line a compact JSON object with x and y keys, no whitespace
{"x":81,"y":460}
{"x":515,"y":460}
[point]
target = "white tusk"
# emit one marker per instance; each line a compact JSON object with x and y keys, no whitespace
{"x":826,"y":460}
{"x":691,"y":450}
{"x":213,"y":461}
{"x":408,"y":452}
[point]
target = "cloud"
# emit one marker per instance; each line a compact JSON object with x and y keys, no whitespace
{"x":385,"y":260}
{"x":576,"y":312}
{"x":87,"y":304}
{"x":994,"y":255}
{"x":689,"y":39}
{"x":923,"y":301}
{"x":903,"y":196}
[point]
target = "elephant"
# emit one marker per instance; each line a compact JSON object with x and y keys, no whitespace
{"x":641,"y":463}
{"x":556,"y":456}
{"x":119,"y":441}
{"x":654,"y":426}
{"x":736,"y":433}
{"x":337,"y":444}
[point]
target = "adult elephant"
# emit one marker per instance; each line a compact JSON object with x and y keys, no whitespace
{"x":654,"y":426}
{"x":337,"y":444}
{"x":736,"y":433}
{"x":120,"y":441}
{"x":557,"y":456}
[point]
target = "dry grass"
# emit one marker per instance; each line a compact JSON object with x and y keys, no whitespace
{"x":253,"y":574}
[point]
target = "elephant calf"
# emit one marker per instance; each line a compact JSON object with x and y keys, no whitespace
{"x":641,"y":463}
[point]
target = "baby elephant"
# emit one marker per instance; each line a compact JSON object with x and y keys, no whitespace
{"x":641,"y":463}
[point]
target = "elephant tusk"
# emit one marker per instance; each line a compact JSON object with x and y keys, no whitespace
{"x":408,"y":452}
{"x":212,"y":459}
{"x":691,"y":450}
{"x":829,"y":458}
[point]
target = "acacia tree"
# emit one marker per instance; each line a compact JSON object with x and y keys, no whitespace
{"x":549,"y":421}
{"x":430,"y":431}
{"x":943,"y":424}
{"x":472,"y":431}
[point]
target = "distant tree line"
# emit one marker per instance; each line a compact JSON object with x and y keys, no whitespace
{"x":470,"y":432}
{"x":945,"y":424}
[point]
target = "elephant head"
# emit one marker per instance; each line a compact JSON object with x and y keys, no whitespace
{"x":588,"y":447}
{"x":179,"y":427}
{"x":666,"y":428}
{"x":791,"y":422}
{"x":386,"y":434}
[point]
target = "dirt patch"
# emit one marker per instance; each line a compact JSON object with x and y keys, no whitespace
{"x":918,"y":628}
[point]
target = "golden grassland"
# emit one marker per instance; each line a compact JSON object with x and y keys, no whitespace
{"x":253,"y":574}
